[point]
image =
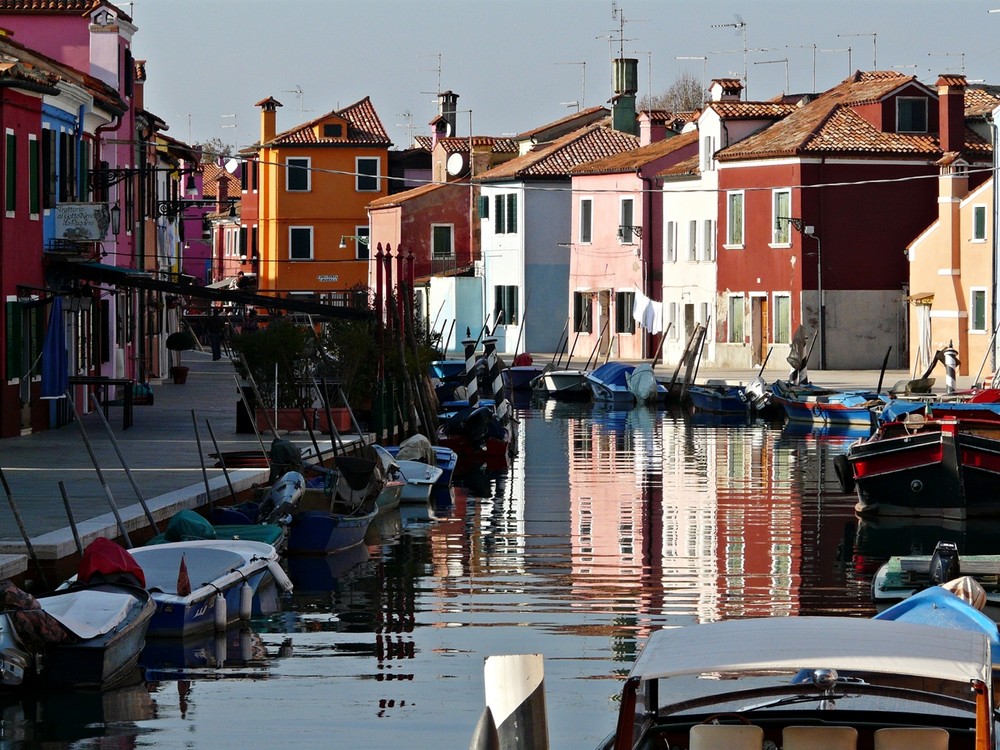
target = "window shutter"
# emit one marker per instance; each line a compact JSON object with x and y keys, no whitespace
{"x":512,"y":213}
{"x":484,"y":206}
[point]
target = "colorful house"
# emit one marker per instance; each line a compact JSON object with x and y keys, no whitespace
{"x":315,"y":181}
{"x":815,"y":213}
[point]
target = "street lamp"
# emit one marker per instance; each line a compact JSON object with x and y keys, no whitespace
{"x":356,"y":237}
{"x":810,"y":231}
{"x":172,"y":208}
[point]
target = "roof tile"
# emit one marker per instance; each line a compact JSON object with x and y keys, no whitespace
{"x":629,"y":161}
{"x":364,"y":129}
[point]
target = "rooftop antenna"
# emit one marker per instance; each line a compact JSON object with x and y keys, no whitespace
{"x":649,"y":76}
{"x":300,"y":95}
{"x":770,"y":62}
{"x":874,"y":37}
{"x":741,"y":28}
{"x":408,"y":116}
{"x":807,"y":46}
{"x":583,"y":95}
{"x":850,"y":65}
{"x":704,"y":71}
{"x":438,"y":71}
{"x":949,"y":54}
{"x":236,"y":139}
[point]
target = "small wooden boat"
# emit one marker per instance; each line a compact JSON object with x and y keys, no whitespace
{"x":903,"y":576}
{"x":210,"y":584}
{"x":419,"y":448}
{"x":418,"y":478}
{"x":563,"y":384}
{"x":478,"y":438}
{"x":808,"y":682}
{"x":619,"y":383}
{"x":87,"y":636}
{"x":718,"y":398}
{"x":808,"y":403}
{"x":187,"y":525}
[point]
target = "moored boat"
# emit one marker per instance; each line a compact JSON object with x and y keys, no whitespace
{"x":563,"y":384}
{"x":718,"y":398}
{"x":624,"y":383}
{"x":808,"y":403}
{"x":808,"y":682}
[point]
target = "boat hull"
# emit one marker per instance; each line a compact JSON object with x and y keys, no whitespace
{"x":564,"y":384}
{"x":320,"y":533}
{"x":718,"y":399}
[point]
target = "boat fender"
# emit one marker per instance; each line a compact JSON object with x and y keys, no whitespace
{"x":246,"y":601}
{"x":221,"y":648}
{"x":246,"y":645}
{"x":281,"y":578}
{"x":221,"y":616}
{"x":845,"y":474}
{"x":944,"y":565}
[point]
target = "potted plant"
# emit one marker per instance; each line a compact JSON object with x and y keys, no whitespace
{"x":277,"y":358}
{"x":178,"y":342}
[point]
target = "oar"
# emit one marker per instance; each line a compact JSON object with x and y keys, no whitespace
{"x":100,"y":474}
{"x":201,"y":458}
{"x":253,"y":418}
{"x":121,"y":457}
{"x":881,"y":375}
{"x":71,"y":517}
{"x":763,"y":364}
{"x":222,"y":460}
{"x":559,"y":347}
{"x":24,"y":531}
{"x":597,"y":344}
{"x":659,"y":346}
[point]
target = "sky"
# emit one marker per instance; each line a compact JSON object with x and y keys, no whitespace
{"x":518,"y":64}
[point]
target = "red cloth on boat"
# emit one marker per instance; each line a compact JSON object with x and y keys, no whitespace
{"x":183,"y":579}
{"x":107,"y":560}
{"x":523,"y":360}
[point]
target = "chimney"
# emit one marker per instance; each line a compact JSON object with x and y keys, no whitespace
{"x":139,"y":71}
{"x":652,"y":127}
{"x":448,"y":108}
{"x":268,"y":118}
{"x":951,"y":112}
{"x":725,"y":89}
{"x":624,"y":72}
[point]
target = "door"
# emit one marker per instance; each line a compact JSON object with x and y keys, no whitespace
{"x":759,"y":337}
{"x":604,"y":323}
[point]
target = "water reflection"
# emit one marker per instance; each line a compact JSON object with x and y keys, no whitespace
{"x":610,"y":523}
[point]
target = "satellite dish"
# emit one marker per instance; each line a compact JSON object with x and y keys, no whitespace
{"x":456,"y":164}
{"x":448,"y":129}
{"x":232,"y":165}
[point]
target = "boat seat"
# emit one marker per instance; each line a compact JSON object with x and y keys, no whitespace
{"x":726,"y":737}
{"x":819,"y":738}
{"x":909,"y":738}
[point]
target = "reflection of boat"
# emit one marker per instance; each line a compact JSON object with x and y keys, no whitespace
{"x":905,"y":575}
{"x":312,"y":573}
{"x":710,"y":419}
{"x":883,"y":678}
{"x":206,"y":584}
{"x":881,"y":537}
{"x":88,"y":635}
{"x":235,"y":652}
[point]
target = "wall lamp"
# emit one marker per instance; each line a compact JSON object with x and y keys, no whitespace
{"x":795,"y":222}
{"x":171,"y":209}
{"x":357,"y":238}
{"x":104,"y":176}
{"x":627,"y":231}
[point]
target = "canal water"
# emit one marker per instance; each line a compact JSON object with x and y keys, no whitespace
{"x":608,"y":525}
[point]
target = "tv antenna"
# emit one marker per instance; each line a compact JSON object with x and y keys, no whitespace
{"x":236,"y":140}
{"x":771,"y":62}
{"x":960,"y":55}
{"x":300,"y":95}
{"x":741,"y":28}
{"x":583,"y":93}
{"x":874,"y":37}
{"x":408,"y":116}
{"x":850,"y":65}
{"x":437,"y":70}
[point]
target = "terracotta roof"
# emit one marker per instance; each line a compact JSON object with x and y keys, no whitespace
{"x":980,"y":101}
{"x":829,"y":124}
{"x":740,"y":110}
{"x":629,"y":161}
{"x":211,"y":174}
{"x":28,"y":74}
{"x":364,"y":129}
{"x":458,"y":144}
{"x":423,"y":141}
{"x":397,"y":198}
{"x":688,"y":168}
{"x":557,"y":158}
{"x":581,"y":115}
{"x":69,"y":7}
{"x":946,"y":79}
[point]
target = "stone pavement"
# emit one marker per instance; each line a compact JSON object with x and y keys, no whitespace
{"x":161,"y":453}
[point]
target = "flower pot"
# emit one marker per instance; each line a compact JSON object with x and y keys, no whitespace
{"x":179,"y":374}
{"x":289,"y":420}
{"x":341,"y":419}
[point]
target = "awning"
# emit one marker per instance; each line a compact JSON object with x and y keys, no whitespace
{"x":131,"y":278}
{"x":920,"y":298}
{"x":224,"y":284}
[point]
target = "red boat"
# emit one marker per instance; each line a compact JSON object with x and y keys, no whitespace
{"x":943,"y":462}
{"x":478,"y":437}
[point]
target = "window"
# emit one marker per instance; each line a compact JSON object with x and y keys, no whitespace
{"x":671,"y":241}
{"x":505,"y":213}
{"x":10,"y":186}
{"x":911,"y":114}
{"x":67,"y":167}
{"x":735,"y":319}
{"x":300,"y":243}
{"x":734,"y":219}
{"x":442,"y":240}
{"x":708,"y":243}
{"x":244,"y":238}
{"x":782,"y":319}
{"x":34,"y":176}
{"x":483,"y":202}
{"x":362,"y":245}
{"x":703,"y":314}
{"x":586,"y":219}
{"x":626,"y":227}
{"x":297,"y":174}
{"x":977,"y":311}
{"x":624,"y":304}
{"x":333,"y":130}
{"x":707,"y":153}
{"x":367,"y":180}
{"x":25,"y":335}
{"x":49,"y":169}
{"x":582,"y":312}
{"x":505,"y":305}
{"x":692,"y":240}
{"x":979,"y":223}
{"x":781,"y":205}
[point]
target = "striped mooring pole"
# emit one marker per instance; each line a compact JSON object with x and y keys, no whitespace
{"x":496,"y":379}
{"x":950,"y":357}
{"x":514,"y":718}
{"x":471,"y":380}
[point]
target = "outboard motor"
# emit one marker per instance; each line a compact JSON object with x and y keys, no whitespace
{"x":282,"y":498}
{"x":757,"y":393}
{"x":944,"y":564}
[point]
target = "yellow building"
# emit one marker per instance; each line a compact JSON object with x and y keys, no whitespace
{"x":314,"y":183}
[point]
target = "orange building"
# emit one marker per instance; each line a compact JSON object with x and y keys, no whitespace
{"x":315,"y":182}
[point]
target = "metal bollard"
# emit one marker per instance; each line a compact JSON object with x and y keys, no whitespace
{"x":950,"y":357}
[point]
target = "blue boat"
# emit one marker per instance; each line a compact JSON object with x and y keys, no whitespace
{"x":612,"y":382}
{"x":824,"y":406}
{"x":445,"y":459}
{"x":209,"y":584}
{"x":719,"y":398}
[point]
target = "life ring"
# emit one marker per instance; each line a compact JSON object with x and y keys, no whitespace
{"x":845,"y":475}
{"x":816,"y":410}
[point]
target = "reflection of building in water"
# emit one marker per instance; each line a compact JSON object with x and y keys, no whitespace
{"x":669,"y":519}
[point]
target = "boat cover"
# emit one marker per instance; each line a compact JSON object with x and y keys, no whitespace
{"x":104,"y":560}
{"x":88,"y":613}
{"x":417,"y":448}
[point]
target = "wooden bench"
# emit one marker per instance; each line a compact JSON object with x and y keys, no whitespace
{"x":102,"y":387}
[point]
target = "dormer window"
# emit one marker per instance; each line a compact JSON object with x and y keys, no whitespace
{"x":911,"y":114}
{"x":333,"y":130}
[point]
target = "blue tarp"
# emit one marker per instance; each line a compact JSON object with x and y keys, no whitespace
{"x":55,"y":361}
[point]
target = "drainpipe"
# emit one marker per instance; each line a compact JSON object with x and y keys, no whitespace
{"x":994,"y":307}
{"x":645,"y":240}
